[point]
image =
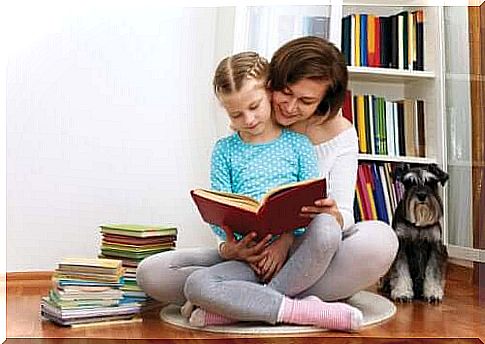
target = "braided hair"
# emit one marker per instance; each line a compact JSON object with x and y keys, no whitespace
{"x":233,"y":71}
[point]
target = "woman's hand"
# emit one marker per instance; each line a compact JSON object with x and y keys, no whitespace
{"x":275,"y":257}
{"x":246,"y":249}
{"x":324,"y":205}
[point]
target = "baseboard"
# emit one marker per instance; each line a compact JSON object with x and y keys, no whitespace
{"x":29,"y":276}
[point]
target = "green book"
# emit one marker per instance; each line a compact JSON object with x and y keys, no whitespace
{"x":140,"y":231}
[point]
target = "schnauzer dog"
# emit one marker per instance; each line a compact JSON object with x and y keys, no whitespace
{"x":418,"y":272}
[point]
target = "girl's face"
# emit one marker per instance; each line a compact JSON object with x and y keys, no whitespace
{"x":249,"y":110}
{"x":298,"y":101}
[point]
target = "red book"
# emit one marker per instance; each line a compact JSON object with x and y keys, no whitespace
{"x":361,"y":185}
{"x":347,"y":106}
{"x":377,"y":56}
{"x":278,"y":211}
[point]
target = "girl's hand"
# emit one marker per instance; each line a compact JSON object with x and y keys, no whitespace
{"x":275,"y":257}
{"x":324,"y":205}
{"x":246,"y":250}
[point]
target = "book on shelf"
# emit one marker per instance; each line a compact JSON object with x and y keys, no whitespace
{"x":391,"y":128}
{"x":377,"y":193}
{"x":278,"y":211}
{"x":394,"y":41}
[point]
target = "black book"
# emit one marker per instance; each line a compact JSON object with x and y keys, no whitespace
{"x":419,"y":41}
{"x":421,"y":128}
{"x":346,"y":44}
{"x":385,"y":58}
{"x":367,"y":117}
{"x":394,"y":58}
{"x":400,"y":123}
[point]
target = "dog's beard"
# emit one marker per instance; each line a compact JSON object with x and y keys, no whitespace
{"x":423,"y":213}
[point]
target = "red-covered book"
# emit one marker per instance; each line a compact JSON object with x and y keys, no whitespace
{"x":278,"y":211}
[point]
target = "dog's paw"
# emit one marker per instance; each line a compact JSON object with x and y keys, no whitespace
{"x":433,"y":292}
{"x":403,"y":299}
{"x":433,"y":299}
{"x":402,"y":295}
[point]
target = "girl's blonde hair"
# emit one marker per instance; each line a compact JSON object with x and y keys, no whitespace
{"x":233,"y":71}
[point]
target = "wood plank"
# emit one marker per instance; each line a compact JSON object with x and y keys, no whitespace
{"x":29,"y":275}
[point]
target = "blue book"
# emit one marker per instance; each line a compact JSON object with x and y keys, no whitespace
{"x":363,"y":40}
{"x":379,"y":196}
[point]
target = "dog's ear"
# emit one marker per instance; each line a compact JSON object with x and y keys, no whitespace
{"x":400,"y":171}
{"x":438,"y":172}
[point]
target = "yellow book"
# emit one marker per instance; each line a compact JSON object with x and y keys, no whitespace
{"x":359,"y":203}
{"x":371,"y":200}
{"x":361,"y":124}
{"x":371,"y":39}
{"x":91,"y":262}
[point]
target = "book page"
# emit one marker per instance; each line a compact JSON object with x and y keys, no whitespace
{"x":235,"y":200}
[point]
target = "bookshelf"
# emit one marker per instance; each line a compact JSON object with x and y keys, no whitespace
{"x":393,"y":84}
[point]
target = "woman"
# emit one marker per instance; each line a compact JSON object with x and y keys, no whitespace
{"x":333,"y":260}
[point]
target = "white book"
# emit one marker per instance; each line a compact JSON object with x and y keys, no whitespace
{"x":400,"y":41}
{"x":396,"y":128}
{"x":389,"y":129}
{"x":385,"y":190}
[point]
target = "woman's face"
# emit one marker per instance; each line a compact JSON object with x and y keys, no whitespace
{"x":298,"y":101}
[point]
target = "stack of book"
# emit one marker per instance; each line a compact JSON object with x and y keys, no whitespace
{"x":395,"y":41}
{"x":87,"y":291}
{"x":131,"y":244}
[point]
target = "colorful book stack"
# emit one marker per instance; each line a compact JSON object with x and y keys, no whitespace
{"x":88,"y":291}
{"x":394,"y":128}
{"x":377,"y":194}
{"x":395,"y":41}
{"x":132,"y":243}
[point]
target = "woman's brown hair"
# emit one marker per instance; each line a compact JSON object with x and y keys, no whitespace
{"x":313,"y":58}
{"x":233,"y":70}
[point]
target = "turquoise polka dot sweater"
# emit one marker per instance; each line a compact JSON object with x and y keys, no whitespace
{"x":253,"y":169}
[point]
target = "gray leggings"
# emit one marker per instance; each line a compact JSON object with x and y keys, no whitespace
{"x":320,"y":263}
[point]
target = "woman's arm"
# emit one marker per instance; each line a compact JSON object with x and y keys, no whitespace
{"x":342,"y":176}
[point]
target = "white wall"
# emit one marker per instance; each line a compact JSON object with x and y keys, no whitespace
{"x":110,"y":118}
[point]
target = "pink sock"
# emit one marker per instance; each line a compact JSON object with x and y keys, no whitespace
{"x":313,"y":311}
{"x":201,"y":318}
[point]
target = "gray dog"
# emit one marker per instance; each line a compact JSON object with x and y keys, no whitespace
{"x":418,"y":272}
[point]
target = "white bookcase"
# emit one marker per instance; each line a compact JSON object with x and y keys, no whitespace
{"x":259,"y":29}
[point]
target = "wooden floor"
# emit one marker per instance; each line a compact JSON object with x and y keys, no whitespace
{"x":459,"y":319}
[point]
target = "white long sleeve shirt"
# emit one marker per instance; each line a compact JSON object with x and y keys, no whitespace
{"x":337,"y":161}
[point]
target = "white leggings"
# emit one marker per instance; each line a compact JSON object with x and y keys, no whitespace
{"x":320,"y":263}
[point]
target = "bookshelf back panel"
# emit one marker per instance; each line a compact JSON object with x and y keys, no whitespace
{"x":281,"y":24}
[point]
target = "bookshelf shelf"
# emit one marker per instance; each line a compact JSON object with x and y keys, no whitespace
{"x":403,"y":159}
{"x":388,"y":74}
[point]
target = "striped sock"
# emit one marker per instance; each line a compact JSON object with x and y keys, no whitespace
{"x":201,"y":318}
{"x":313,"y":311}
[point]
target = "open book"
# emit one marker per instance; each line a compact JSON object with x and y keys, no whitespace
{"x":278,"y":211}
